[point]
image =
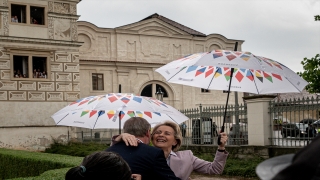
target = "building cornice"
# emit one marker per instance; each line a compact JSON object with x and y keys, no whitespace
{"x":25,"y":40}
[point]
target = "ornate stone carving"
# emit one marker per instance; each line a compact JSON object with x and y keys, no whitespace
{"x":45,"y":86}
{"x":62,"y":8}
{"x":74,"y":31}
{"x":5,"y":74}
{"x":63,"y":57}
{"x":4,"y":64}
{"x":5,"y":24}
{"x":24,"y":85}
{"x":62,"y":29}
{"x":8,"y":85}
{"x":63,"y":77}
{"x":73,"y":9}
{"x":56,"y":67}
{"x":76,"y":77}
{"x":50,"y":28}
{"x":5,"y":2}
{"x":55,"y":96}
{"x":72,"y":96}
{"x":3,"y":95}
{"x":131,"y":49}
{"x":71,"y":67}
{"x":154,"y":47}
{"x":51,"y":5}
{"x":36,"y":96}
{"x":17,"y":95}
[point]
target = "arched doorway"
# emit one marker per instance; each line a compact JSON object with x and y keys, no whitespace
{"x":150,"y":88}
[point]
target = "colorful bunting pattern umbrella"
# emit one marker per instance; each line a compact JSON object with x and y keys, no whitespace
{"x":105,"y":111}
{"x":253,"y":74}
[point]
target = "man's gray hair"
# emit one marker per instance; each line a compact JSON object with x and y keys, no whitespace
{"x":136,"y":126}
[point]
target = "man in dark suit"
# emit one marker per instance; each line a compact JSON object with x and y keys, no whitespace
{"x":145,"y":160}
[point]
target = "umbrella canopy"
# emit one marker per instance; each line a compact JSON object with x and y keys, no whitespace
{"x":105,"y":111}
{"x":212,"y":70}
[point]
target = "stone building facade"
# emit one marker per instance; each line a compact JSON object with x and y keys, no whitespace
{"x":128,"y":56}
{"x":39,"y":69}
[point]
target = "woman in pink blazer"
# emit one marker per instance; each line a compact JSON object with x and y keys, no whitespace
{"x":167,"y":136}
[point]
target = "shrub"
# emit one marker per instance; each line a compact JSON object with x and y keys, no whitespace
{"x":16,"y":163}
{"x":75,"y":148}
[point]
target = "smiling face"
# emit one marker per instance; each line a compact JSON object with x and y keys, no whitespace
{"x":163,"y":137}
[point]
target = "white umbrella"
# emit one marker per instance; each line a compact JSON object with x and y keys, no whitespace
{"x":253,"y":74}
{"x":112,"y":110}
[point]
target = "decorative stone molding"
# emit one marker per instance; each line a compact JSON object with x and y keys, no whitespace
{"x":36,"y":96}
{"x":8,"y":85}
{"x":4,"y":64}
{"x":75,"y":57}
{"x":63,"y":77}
{"x":5,"y":2}
{"x":56,"y":67}
{"x":153,"y":46}
{"x":50,"y":28}
{"x":17,"y":95}
{"x":73,"y":9}
{"x":76,"y":86}
{"x":5,"y":24}
{"x":60,"y":86}
{"x":50,"y":6}
{"x":54,"y":96}
{"x":71,"y":67}
{"x":74,"y":31}
{"x":76,"y":77}
{"x":1,"y":53}
{"x":70,"y":96}
{"x":25,"y":85}
{"x":62,"y":29}
{"x":45,"y":86}
{"x":5,"y":74}
{"x":3,"y":95}
{"x":62,"y":8}
{"x":63,"y":57}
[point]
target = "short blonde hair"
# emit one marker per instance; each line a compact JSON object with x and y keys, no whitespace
{"x":177,"y":133}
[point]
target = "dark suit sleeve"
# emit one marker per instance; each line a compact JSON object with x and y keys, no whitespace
{"x":162,"y":169}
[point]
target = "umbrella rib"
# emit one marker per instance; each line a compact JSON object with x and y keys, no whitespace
{"x":97,"y":119}
{"x":213,"y":77}
{"x":293,"y":84}
{"x":176,"y":73}
{"x":63,"y":118}
{"x":172,"y":119}
{"x":255,"y":84}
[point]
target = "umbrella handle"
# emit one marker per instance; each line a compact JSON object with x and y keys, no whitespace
{"x":219,"y":136}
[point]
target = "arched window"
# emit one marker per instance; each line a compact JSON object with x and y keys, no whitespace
{"x":150,"y":90}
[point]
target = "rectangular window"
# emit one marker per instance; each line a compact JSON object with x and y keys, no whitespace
{"x":18,"y":13}
{"x":30,"y":66}
{"x":36,"y":15}
{"x":205,"y":90}
{"x":28,"y":14}
{"x":97,"y":81}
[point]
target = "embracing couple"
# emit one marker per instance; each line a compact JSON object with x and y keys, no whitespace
{"x":164,"y":160}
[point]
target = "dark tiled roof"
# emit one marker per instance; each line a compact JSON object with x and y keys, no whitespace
{"x":175,"y":24}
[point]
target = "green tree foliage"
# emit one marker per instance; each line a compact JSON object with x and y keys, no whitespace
{"x":317,"y":18}
{"x":311,"y":73}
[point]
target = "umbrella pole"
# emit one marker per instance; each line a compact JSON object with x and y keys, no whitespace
{"x":225,"y":109}
{"x":119,"y":122}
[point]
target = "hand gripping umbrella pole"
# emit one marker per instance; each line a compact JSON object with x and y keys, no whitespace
{"x":225,"y":109}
